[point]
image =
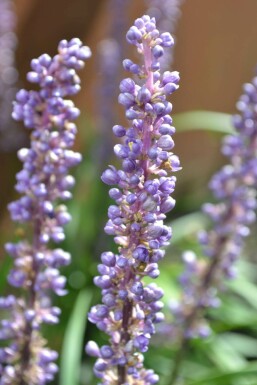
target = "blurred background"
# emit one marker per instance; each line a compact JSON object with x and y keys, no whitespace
{"x":215,"y":54}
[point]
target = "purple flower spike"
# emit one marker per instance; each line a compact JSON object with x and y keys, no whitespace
{"x":234,"y":189}
{"x":141,"y":190}
{"x":43,"y":182}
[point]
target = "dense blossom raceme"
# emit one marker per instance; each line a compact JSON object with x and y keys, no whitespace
{"x":167,"y":14}
{"x":10,"y":135}
{"x":234,"y":188}
{"x":130,"y":308}
{"x":43,"y":183}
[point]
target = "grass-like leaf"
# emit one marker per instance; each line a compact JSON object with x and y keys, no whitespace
{"x":203,"y":120}
{"x":187,"y":225}
{"x":250,"y":372}
{"x":244,"y":344}
{"x":246,"y":290}
{"x":225,"y":357}
{"x":73,"y":340}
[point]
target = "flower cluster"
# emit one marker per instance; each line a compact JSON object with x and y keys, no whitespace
{"x":130,"y":308}
{"x":234,"y":188}
{"x":43,"y":182}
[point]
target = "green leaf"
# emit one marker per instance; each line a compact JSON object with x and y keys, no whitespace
{"x":73,"y":340}
{"x":235,"y":313}
{"x":245,"y":345}
{"x":246,"y":290}
{"x":4,"y":270}
{"x":203,"y":120}
{"x":224,"y":356}
{"x":226,"y":378}
{"x":187,"y":225}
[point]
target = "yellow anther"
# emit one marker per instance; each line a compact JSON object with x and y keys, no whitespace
{"x":141,"y":267}
{"x":138,"y":217}
{"x":167,"y":166}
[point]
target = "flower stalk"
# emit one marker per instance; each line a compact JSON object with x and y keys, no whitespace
{"x":44,"y":182}
{"x":234,"y":188}
{"x":130,"y":308}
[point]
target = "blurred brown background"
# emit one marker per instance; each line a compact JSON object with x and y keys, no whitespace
{"x":215,"y":50}
{"x":215,"y":53}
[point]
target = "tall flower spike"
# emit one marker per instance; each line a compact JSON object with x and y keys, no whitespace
{"x":43,"y":182}
{"x":234,"y":187}
{"x":130,"y":308}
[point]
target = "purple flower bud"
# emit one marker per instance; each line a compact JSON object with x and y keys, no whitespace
{"x":119,"y":131}
{"x":102,"y":311}
{"x":126,"y":99}
{"x":157,"y":51}
{"x":104,"y":282}
{"x":33,"y":77}
{"x":169,"y":88}
{"x":155,"y":231}
{"x":153,"y":153}
{"x":110,"y":177}
{"x":149,"y":204}
{"x":113,"y":211}
{"x":123,"y":294}
{"x":127,"y":85}
{"x":167,"y":186}
{"x":108,"y":259}
{"x":106,"y":351}
{"x":154,"y":244}
{"x":167,"y":205}
{"x":128,"y":165}
{"x":166,"y":142}
{"x":132,"y":114}
{"x":130,"y":66}
{"x":109,"y":300}
{"x":170,"y":77}
{"x":159,"y":108}
{"x":100,"y":365}
{"x":166,"y":129}
{"x":175,"y":163}
{"x":167,"y":40}
{"x":92,"y":349}
{"x":115,"y":193}
{"x":122,"y":262}
{"x":153,"y":379}
{"x":144,"y":95}
{"x":121,"y":151}
{"x":137,"y":288}
{"x":141,"y":342}
{"x":135,"y":227}
{"x":133,"y":34}
{"x":131,"y":198}
{"x":141,"y":253}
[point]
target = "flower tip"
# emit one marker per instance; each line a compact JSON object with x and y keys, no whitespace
{"x":92,"y":349}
